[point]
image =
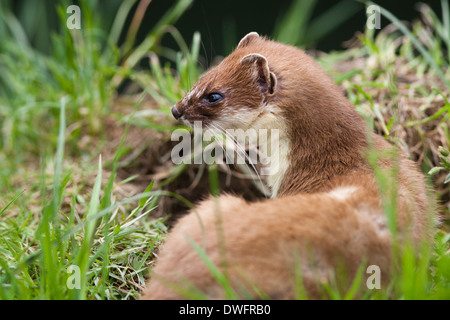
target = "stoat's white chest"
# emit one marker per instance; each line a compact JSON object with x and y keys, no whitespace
{"x":275,"y":149}
{"x":279,"y":163}
{"x":269,"y":133}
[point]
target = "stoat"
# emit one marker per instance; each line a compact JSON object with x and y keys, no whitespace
{"x":326,"y":211}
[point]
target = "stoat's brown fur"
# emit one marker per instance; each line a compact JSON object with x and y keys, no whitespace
{"x":326,"y":211}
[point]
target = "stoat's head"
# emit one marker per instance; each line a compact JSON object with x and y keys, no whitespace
{"x":233,"y":94}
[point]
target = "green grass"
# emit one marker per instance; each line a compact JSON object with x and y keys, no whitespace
{"x":58,"y":210}
{"x":42,"y":253}
{"x":68,"y":227}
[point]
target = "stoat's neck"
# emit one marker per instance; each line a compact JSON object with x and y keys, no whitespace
{"x":277,"y":160}
{"x":274,"y":148}
{"x":315,"y":150}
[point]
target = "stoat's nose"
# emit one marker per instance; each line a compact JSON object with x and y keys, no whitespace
{"x":175,"y":113}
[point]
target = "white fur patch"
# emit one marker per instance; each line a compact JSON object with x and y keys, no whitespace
{"x":276,"y":147}
{"x":280,"y":164}
{"x":342,"y":193}
{"x":279,"y":146}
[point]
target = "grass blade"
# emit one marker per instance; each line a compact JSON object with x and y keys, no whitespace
{"x":11,"y":202}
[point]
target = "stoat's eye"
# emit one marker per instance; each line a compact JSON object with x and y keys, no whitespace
{"x":213,"y":97}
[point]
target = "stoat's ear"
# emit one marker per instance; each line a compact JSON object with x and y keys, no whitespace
{"x":247,"y":39}
{"x":258,"y":65}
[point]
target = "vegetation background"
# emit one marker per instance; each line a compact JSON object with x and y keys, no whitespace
{"x":87,"y":188}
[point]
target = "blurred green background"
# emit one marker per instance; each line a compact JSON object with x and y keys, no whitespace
{"x":326,"y":25}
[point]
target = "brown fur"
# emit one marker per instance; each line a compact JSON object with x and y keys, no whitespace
{"x":327,"y":212}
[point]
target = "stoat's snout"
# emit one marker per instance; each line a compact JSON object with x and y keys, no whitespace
{"x":176,"y":114}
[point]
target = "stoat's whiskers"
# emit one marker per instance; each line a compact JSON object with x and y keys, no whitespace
{"x":240,"y":151}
